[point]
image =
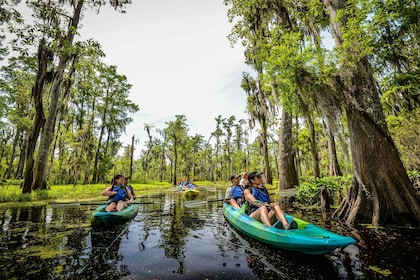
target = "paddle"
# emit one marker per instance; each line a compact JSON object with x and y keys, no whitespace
{"x":69,"y":204}
{"x":199,"y":203}
{"x":286,"y":192}
{"x":100,"y":203}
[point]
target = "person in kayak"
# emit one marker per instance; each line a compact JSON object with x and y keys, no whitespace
{"x":192,"y":185}
{"x":235,"y":194}
{"x":129,"y":187}
{"x":119,"y":196}
{"x":244,"y":180}
{"x":260,"y":206}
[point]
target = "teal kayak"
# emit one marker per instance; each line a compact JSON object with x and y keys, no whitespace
{"x":307,"y":238}
{"x":100,"y":216}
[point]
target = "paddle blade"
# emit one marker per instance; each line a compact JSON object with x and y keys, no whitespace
{"x":194,"y":204}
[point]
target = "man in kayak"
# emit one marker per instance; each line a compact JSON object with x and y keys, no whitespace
{"x":259,"y":204}
{"x":119,"y":196}
{"x":235,"y":194}
{"x":129,"y":187}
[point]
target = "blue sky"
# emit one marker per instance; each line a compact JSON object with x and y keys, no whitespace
{"x":177,"y":57}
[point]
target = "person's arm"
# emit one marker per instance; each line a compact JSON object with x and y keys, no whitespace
{"x":234,"y":203}
{"x":251,"y":199}
{"x":129,"y":195}
{"x":108,"y":191}
{"x":133,"y":192}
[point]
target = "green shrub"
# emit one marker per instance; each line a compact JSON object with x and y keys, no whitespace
{"x":414,"y":175}
{"x":309,"y":190}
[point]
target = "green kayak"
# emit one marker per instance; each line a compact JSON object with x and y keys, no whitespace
{"x":100,"y":216}
{"x":308,"y":238}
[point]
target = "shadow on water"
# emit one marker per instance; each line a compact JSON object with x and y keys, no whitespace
{"x":167,"y":240}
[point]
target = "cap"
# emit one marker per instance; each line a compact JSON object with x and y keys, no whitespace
{"x":234,"y":176}
{"x":252,"y":175}
{"x":244,"y":175}
{"x":128,"y":177}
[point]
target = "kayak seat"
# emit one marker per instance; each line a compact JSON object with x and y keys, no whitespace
{"x":278,"y":225}
{"x":292,"y":225}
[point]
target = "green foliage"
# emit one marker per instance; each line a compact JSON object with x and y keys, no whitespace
{"x":11,"y":182}
{"x":405,"y":132}
{"x":13,"y":194}
{"x":308,"y":192}
{"x":414,"y":175}
{"x":9,"y":193}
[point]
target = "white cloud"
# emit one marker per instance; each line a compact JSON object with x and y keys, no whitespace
{"x":177,"y":57}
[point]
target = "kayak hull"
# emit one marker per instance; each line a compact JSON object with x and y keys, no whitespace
{"x":100,"y":216}
{"x":191,"y":193}
{"x":307,"y":239}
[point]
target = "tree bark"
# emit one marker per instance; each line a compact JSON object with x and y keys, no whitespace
{"x":22,"y":157}
{"x":9,"y":170}
{"x":314,"y":146}
{"x":381,"y":192}
{"x":39,"y":117}
{"x":334,"y":167}
{"x":288,"y":176}
{"x":48,"y":131}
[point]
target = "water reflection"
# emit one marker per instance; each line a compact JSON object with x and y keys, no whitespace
{"x":169,"y":241}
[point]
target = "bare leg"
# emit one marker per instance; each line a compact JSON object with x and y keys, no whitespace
{"x":111,"y":207}
{"x":280,"y":215}
{"x":261,"y":214}
{"x":121,"y":205}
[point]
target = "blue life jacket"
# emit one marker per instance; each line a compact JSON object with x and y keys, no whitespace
{"x":260,"y":194}
{"x":121,"y":194}
{"x":237,"y":192}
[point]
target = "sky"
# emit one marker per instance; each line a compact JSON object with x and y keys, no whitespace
{"x":178,"y":59}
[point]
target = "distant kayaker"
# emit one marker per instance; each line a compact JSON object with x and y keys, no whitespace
{"x":235,"y":194}
{"x":119,"y":196}
{"x":260,"y":206}
{"x":192,"y":185}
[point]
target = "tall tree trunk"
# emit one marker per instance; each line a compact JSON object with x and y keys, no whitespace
{"x":288,"y":177}
{"x":313,"y":144}
{"x":48,"y":131}
{"x":98,"y":154}
{"x":329,"y":114}
{"x":47,"y":135}
{"x":9,"y":170}
{"x":264,"y":151}
{"x":175,"y":162}
{"x":381,"y":192}
{"x":334,"y":167}
{"x":131,"y":157}
{"x":39,"y":117}
{"x":22,"y":157}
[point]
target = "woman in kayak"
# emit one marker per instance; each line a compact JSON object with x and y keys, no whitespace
{"x":119,"y":196}
{"x":260,"y":206}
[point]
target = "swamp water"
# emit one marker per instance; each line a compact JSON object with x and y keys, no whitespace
{"x":167,"y":240}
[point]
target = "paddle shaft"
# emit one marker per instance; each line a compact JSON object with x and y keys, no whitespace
{"x":100,"y":203}
{"x":198,"y":203}
{"x":95,"y":203}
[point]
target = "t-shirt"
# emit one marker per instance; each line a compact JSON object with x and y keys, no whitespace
{"x":228,"y":194}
